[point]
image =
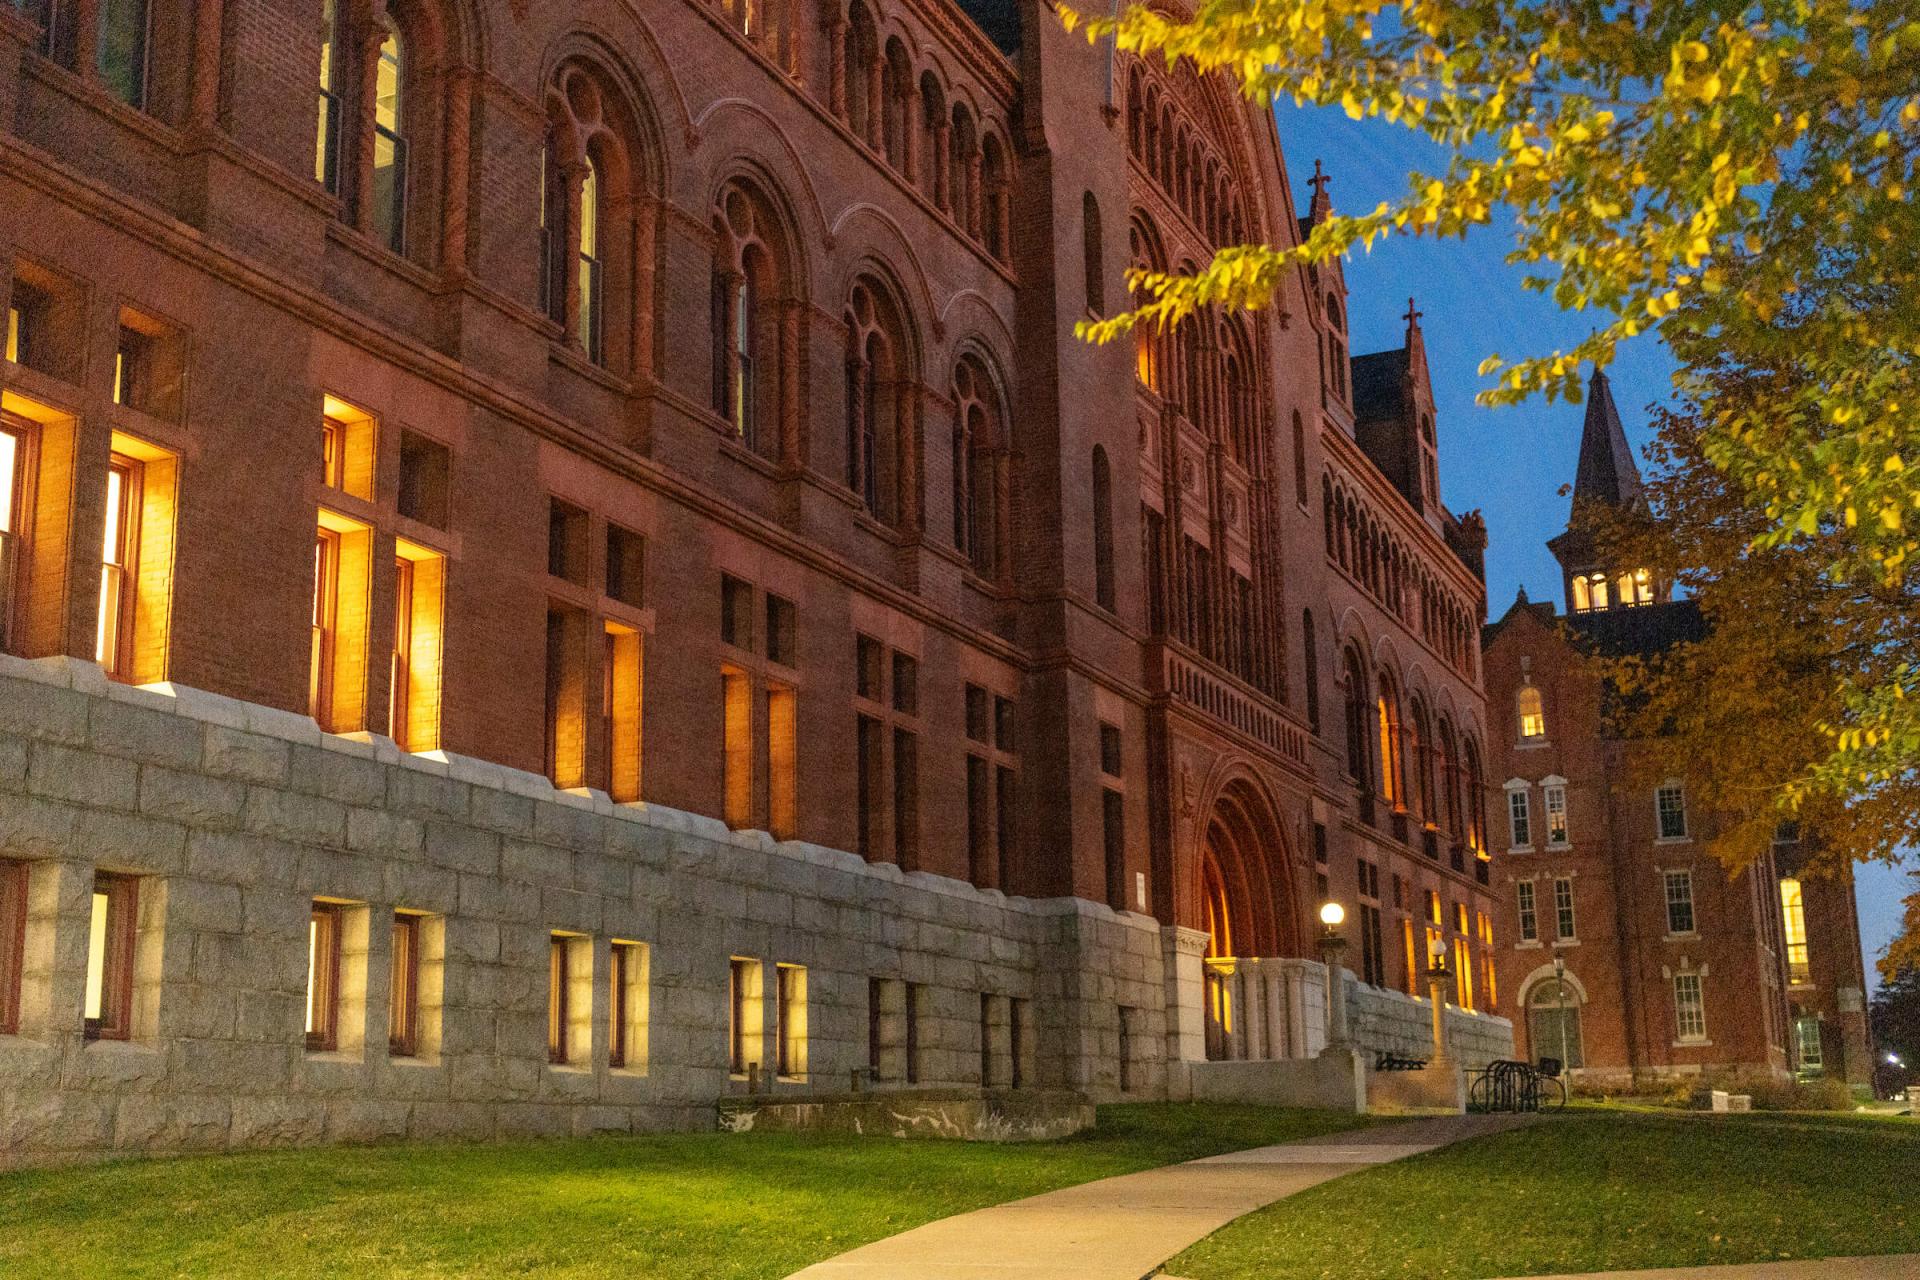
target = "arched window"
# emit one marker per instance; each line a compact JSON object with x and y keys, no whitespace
{"x":1146,"y":342}
{"x":1103,"y":592}
{"x":1450,"y":776}
{"x":1136,"y":129}
{"x":862,"y":62}
{"x":879,"y":398}
{"x":1310,"y":667}
{"x":591,"y":193}
{"x":755,"y":323}
{"x":1533,"y":719}
{"x":1387,"y":716}
{"x":996,"y":193}
{"x":934,"y":152}
{"x":1299,"y":459}
{"x":1091,"y":255}
{"x":326,"y":159}
{"x":977,"y":454}
{"x":1354,"y":682}
{"x":389,"y":194}
{"x":1476,"y":801}
{"x":1420,"y":747}
{"x":121,"y":52}
{"x":1336,"y":348}
{"x":896,"y":123}
{"x":963,"y":165}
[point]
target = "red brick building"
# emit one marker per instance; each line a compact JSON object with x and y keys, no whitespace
{"x":1633,"y":955}
{"x":681,"y":403}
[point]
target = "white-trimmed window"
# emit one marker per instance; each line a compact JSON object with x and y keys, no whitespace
{"x":1689,"y":1008}
{"x":1679,"y":901}
{"x":1793,"y":911}
{"x":1556,"y":802}
{"x":1565,"y":929}
{"x":1520,"y":815}
{"x":1670,"y":809}
{"x":1529,"y":915}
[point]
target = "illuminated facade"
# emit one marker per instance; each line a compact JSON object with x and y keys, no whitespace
{"x":489,"y":449}
{"x":1633,"y":955}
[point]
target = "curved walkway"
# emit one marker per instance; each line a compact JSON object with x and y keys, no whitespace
{"x":1122,"y":1228}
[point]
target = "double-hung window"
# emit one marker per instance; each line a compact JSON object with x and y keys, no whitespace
{"x":1520,"y":816}
{"x":1564,"y":922}
{"x":1529,"y":915}
{"x":1556,"y":798}
{"x":1670,"y":805}
{"x":1679,"y":901}
{"x":1689,"y":1008}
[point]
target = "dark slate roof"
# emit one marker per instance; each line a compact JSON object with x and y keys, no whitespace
{"x":1607,"y":472}
{"x":1000,"y":19}
{"x":1379,"y":384}
{"x":1644,"y":629}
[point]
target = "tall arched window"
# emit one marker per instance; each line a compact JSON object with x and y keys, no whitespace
{"x":121,"y":49}
{"x":1091,"y":254}
{"x":591,"y":200}
{"x":880,"y":398}
{"x":963,"y":168}
{"x":862,"y":62}
{"x":1450,"y":776}
{"x":755,"y":324}
{"x":1336,"y":348}
{"x":1476,"y":800}
{"x":326,"y":159}
{"x":1354,"y":690}
{"x":1420,"y":744}
{"x":996,"y":193}
{"x":1533,"y":718}
{"x":1387,"y":715}
{"x":389,"y":194}
{"x":1103,"y":593}
{"x":981,"y":469}
{"x":1299,"y":459}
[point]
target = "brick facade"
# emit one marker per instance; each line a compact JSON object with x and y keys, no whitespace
{"x":906,"y":569}
{"x":1657,"y":922}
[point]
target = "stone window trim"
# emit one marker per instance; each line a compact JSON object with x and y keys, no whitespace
{"x":1553,"y":788}
{"x":1519,"y":815}
{"x":1661,"y":813}
{"x":1662,"y":873}
{"x":629,"y":972}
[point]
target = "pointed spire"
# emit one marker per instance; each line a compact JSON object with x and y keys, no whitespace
{"x":1416,"y":341}
{"x":1322,"y":204}
{"x":1607,"y":472}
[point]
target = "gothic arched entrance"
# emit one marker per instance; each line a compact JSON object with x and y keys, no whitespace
{"x":1245,"y":900}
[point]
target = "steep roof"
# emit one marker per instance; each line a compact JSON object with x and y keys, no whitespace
{"x":1607,"y":472}
{"x":1645,"y":629}
{"x":1000,"y":19}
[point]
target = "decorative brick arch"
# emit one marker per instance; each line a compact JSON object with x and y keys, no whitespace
{"x":1238,"y":844}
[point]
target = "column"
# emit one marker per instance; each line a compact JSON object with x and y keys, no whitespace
{"x":459,"y":109}
{"x":573,"y":176}
{"x":791,"y":312}
{"x":876,"y":102}
{"x":1279,"y":1031}
{"x":205,"y":105}
{"x":729,"y":321}
{"x":942,"y":166}
{"x":646,"y":214}
{"x":836,"y":28}
{"x":910,"y":125}
{"x":359,"y":122}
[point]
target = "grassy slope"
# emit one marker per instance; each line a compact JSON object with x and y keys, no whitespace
{"x":689,"y":1206}
{"x":1594,"y":1191}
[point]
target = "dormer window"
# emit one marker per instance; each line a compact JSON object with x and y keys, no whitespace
{"x":1533,"y":719}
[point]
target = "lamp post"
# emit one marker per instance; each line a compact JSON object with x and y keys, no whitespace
{"x":1560,"y":987}
{"x":1437,"y":975}
{"x":1332,"y":946}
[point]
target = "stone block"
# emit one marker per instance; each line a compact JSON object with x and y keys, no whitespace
{"x":245,"y":757}
{"x":462,"y":848}
{"x":13,"y":762}
{"x":427,"y":795}
{"x":293,"y":816}
{"x":125,"y":840}
{"x":278,"y":1121}
{"x":534,"y":1120}
{"x":139,"y":733}
{"x":161,"y":1122}
{"x":43,"y":712}
{"x":338,"y":776}
{"x":377,"y":831}
{"x":204,"y":906}
{"x":82,"y":777}
{"x":366,"y":1119}
{"x":191,"y":797}
{"x":545,"y":865}
{"x":236,"y":858}
{"x":329,"y":873}
{"x":501,"y":811}
{"x":419,"y":887}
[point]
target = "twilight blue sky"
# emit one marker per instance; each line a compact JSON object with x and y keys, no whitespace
{"x":1510,"y":463}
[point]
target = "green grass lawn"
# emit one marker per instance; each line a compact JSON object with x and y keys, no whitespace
{"x":1594,"y":1190}
{"x":687,"y":1206}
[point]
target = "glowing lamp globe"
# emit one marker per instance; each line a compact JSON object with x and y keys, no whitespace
{"x":1332,"y":915}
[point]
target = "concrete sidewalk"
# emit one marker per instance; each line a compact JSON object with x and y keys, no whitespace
{"x":1899,"y":1266}
{"x":1122,"y":1228}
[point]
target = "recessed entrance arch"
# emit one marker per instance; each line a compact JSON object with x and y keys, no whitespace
{"x":1245,"y":898}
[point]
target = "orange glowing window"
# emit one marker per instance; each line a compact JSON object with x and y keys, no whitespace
{"x":414,"y":693}
{"x":117,"y":570}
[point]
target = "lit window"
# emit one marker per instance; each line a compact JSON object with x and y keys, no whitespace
{"x":783,"y":765}
{"x":1642,"y":587}
{"x":1689,"y":1008}
{"x":590,"y":264}
{"x":745,"y":1001}
{"x":121,"y":51}
{"x":1556,"y":815}
{"x":117,"y":570}
{"x":1679,"y":901}
{"x":415,"y":689}
{"x":108,"y":1004}
{"x":323,"y":976}
{"x":1806,"y":1038}
{"x":1520,"y":817}
{"x":1564,"y":923}
{"x":569,"y":997}
{"x":1529,"y":917}
{"x":13,"y":931}
{"x":403,"y":990}
{"x":1793,"y":911}
{"x":790,"y":1011}
{"x":627,"y":1007}
{"x":736,"y":696}
{"x":620,"y":710}
{"x":1670,"y":804}
{"x":13,"y":468}
{"x":326,"y":150}
{"x":1533,"y":720}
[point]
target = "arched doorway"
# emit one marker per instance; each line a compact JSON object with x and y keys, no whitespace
{"x":1217,"y":912}
{"x":1245,"y":902}
{"x":1553,"y":1021}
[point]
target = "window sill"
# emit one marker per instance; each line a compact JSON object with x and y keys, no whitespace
{"x":1527,"y":946}
{"x":1559,"y":846}
{"x":413,"y":1062}
{"x":1530,"y":744}
{"x":1693,"y":1044}
{"x":1664,"y":840}
{"x":1520,"y":848}
{"x":1691,"y":935}
{"x":628,"y":1073}
{"x":341,"y":1057}
{"x":569,"y":1069}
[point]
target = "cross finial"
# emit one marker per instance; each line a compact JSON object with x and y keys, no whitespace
{"x":1413,"y":314}
{"x":1319,"y":180}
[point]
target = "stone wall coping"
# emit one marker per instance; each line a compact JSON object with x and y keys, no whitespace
{"x":219,"y":710}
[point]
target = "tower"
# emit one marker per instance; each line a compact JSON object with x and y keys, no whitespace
{"x":1606,"y":477}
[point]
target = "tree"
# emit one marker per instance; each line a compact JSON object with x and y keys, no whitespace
{"x":1750,"y":713}
{"x":1894,"y":1013}
{"x":1691,"y":168}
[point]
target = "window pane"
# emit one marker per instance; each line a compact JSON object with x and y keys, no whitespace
{"x":97,"y":957}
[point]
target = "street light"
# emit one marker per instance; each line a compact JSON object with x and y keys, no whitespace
{"x":1332,"y":946}
{"x":1332,"y":915}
